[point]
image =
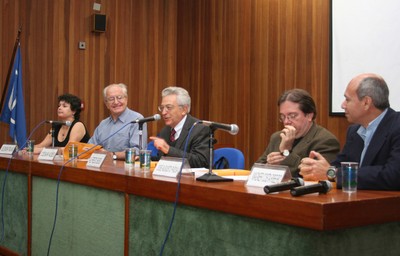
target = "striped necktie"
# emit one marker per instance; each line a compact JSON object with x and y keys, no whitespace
{"x":172,"y":135}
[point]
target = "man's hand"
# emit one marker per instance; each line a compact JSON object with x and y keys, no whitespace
{"x":275,"y":158}
{"x":314,"y":167}
{"x":160,"y":144}
{"x":288,"y":134}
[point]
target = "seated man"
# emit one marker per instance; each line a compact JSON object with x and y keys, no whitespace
{"x":106,"y":135}
{"x":175,"y":108}
{"x":373,"y":141}
{"x":300,"y":134}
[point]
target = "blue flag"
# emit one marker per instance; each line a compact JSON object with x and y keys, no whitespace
{"x":14,"y":110}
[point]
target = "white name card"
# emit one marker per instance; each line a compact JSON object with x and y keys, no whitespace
{"x":262,"y":175}
{"x":170,"y":166}
{"x":8,"y":149}
{"x":96,"y":160}
{"x":48,"y":154}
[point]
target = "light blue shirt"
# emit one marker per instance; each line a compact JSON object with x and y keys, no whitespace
{"x":367,"y":133}
{"x":108,"y":136}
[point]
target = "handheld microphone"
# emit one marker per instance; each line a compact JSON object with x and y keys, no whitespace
{"x":295,"y":182}
{"x":67,"y":123}
{"x":147,"y":119}
{"x":231,"y":128}
{"x":321,"y":187}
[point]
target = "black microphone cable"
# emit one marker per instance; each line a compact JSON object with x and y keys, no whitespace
{"x":59,"y":178}
{"x":177,"y":190}
{"x":5,"y":179}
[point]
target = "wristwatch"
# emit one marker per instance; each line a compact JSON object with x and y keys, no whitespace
{"x":114,"y":156}
{"x":331,"y":173}
{"x":285,"y":152}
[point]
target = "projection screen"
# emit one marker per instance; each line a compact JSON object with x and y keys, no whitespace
{"x":365,"y":38}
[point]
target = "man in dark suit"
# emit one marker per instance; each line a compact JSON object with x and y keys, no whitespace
{"x":373,"y":140}
{"x":175,"y":108}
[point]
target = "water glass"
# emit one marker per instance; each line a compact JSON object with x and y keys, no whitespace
{"x":349,"y":176}
{"x":144,"y":156}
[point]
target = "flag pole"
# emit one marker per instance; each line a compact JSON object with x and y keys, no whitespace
{"x":10,"y":69}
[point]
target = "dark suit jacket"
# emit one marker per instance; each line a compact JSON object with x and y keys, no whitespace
{"x":380,"y":169}
{"x":198,"y":151}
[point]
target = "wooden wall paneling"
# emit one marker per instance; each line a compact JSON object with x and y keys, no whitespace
{"x":190,"y":59}
{"x":264,"y":89}
{"x":285,"y":33}
{"x":212,"y":46}
{"x":235,"y":49}
{"x":9,"y":13}
{"x":146,"y":48}
{"x":234,"y":57}
{"x":37,"y":47}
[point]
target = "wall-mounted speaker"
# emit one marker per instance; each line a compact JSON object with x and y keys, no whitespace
{"x":99,"y":22}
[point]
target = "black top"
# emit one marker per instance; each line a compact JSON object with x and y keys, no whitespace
{"x":63,"y":143}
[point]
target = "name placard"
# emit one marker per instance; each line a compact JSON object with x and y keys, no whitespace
{"x":170,"y":166}
{"x":8,"y":149}
{"x":96,"y":160}
{"x":48,"y":154}
{"x":264,"y":174}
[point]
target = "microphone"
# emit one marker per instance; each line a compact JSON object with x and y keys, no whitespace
{"x":321,"y":187}
{"x":295,"y":182}
{"x":67,"y":123}
{"x":231,"y":128}
{"x":147,"y":119}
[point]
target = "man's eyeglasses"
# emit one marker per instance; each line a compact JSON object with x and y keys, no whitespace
{"x":118,"y":98}
{"x":166,"y":108}
{"x":289,"y":117}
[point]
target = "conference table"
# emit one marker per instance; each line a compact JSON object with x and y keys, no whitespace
{"x":69,"y":208}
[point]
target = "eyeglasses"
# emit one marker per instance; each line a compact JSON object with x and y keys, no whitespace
{"x":118,"y":98}
{"x":166,"y":107}
{"x":289,"y":117}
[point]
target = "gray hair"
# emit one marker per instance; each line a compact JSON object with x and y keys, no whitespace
{"x":120,"y":85}
{"x":182,"y":96}
{"x":376,"y":88}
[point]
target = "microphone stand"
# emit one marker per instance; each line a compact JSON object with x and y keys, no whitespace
{"x":140,"y":136}
{"x":53,"y":134}
{"x":210,"y":176}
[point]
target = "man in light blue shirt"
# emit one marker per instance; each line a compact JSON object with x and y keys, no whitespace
{"x":116,"y":132}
